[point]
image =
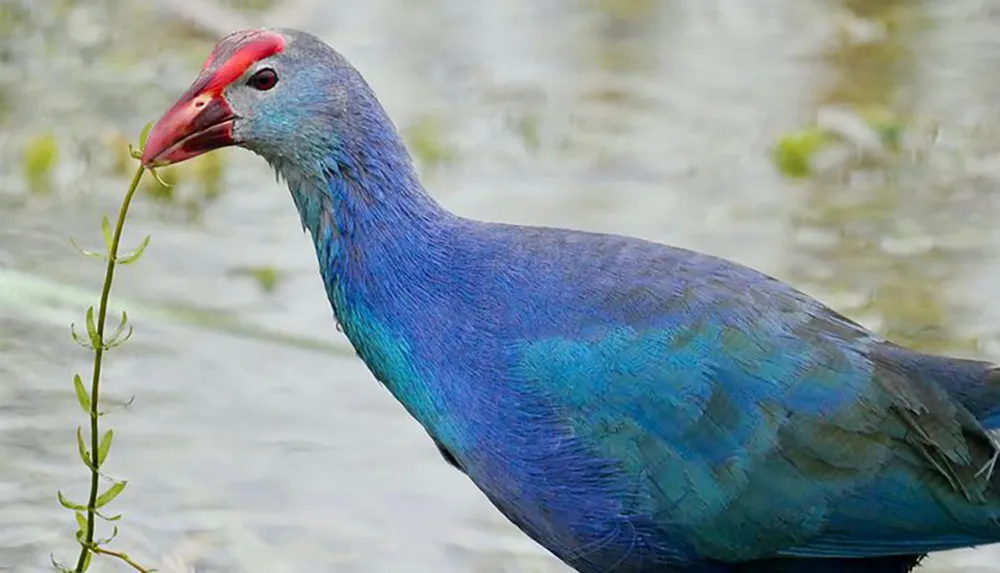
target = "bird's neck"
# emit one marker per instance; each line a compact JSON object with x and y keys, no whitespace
{"x":376,"y":231}
{"x":381,"y":242}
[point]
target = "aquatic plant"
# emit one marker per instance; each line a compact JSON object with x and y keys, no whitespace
{"x":95,"y":339}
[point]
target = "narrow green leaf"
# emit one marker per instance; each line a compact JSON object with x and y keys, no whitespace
{"x":106,"y":231}
{"x":86,"y":561}
{"x":81,"y":393}
{"x":81,"y":521}
{"x":105,"y":446}
{"x":69,"y":504}
{"x":115,"y":517}
{"x":113,"y":491}
{"x":121,"y":326}
{"x":58,"y":566}
{"x":144,"y":135}
{"x":121,"y":407}
{"x":108,"y":539}
{"x":85,"y":252}
{"x":92,"y":327}
{"x":79,"y":337}
{"x":119,"y":340}
{"x":158,"y":179}
{"x":134,"y":255}
{"x":121,"y":335}
{"x":84,"y":454}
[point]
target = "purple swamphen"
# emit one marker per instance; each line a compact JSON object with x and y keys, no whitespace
{"x":631,"y":406}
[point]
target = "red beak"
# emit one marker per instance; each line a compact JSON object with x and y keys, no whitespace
{"x":198,"y":123}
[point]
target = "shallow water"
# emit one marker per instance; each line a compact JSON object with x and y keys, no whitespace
{"x":257,"y":442}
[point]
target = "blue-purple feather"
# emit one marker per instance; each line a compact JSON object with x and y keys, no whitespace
{"x":631,"y":406}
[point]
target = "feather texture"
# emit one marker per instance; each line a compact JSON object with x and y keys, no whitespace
{"x":633,"y":407}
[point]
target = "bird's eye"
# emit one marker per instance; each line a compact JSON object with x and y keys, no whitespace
{"x":263,"y":80}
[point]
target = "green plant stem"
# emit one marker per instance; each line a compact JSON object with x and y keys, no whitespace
{"x":95,"y":382}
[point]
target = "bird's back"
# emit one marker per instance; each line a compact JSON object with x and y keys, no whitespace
{"x":637,"y":407}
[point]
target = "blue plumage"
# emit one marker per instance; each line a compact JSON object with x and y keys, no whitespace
{"x":631,"y":406}
{"x":630,"y":420}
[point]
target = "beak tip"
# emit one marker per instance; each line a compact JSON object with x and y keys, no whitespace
{"x":187,"y":130}
{"x":154,"y":146}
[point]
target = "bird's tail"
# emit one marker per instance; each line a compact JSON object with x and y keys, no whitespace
{"x":973,"y":383}
{"x":979,"y":391}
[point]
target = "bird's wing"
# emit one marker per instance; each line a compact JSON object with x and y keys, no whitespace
{"x":757,"y":422}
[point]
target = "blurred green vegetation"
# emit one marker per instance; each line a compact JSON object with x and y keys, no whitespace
{"x":883,"y":171}
{"x":794,"y":152}
{"x":267,"y":277}
{"x":427,"y":138}
{"x":40,"y":158}
{"x":12,"y":16}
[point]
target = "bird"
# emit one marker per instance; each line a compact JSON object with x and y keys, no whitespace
{"x":632,"y":407}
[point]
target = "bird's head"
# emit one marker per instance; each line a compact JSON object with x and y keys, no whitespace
{"x":283,"y":94}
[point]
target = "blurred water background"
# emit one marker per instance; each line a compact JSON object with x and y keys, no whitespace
{"x":257,"y":442}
